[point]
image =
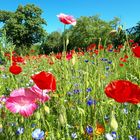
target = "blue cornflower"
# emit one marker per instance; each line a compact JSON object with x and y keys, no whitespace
{"x":89,"y":129}
{"x":76,"y":85}
{"x":74,"y":135}
{"x":69,"y":93}
{"x":110,"y":62}
{"x":106,"y":117}
{"x":114,"y":135}
{"x":104,"y":59}
{"x":33,"y":125}
{"x":86,"y":61}
{"x":89,"y":89}
{"x":37,"y":134}
{"x":76,"y":91}
{"x":90,"y":102}
{"x":111,"y":50}
{"x":107,"y":67}
{"x":125,"y":111}
{"x":20,"y":130}
{"x":132,"y":138}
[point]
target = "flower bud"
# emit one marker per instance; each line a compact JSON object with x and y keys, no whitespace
{"x":113,"y":122}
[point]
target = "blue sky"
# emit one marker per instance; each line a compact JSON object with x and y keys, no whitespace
{"x":127,"y":10}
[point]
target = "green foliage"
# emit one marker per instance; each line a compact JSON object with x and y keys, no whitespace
{"x":24,"y":27}
{"x":5,"y":46}
{"x":5,"y":15}
{"x":118,"y":38}
{"x":137,"y":38}
{"x":52,"y":43}
{"x":90,"y":30}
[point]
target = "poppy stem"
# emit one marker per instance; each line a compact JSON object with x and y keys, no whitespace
{"x":64,"y":41}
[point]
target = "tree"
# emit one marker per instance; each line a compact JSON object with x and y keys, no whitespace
{"x":90,"y":30}
{"x":53,"y":43}
{"x":5,"y":15}
{"x":118,"y":38}
{"x":137,"y":34}
{"x":24,"y":26}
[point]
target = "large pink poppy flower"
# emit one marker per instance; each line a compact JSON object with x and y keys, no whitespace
{"x":23,"y":105}
{"x":23,"y":100}
{"x":67,"y":19}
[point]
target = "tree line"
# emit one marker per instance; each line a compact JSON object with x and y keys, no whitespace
{"x":24,"y":28}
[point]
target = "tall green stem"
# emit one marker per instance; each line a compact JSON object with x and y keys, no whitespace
{"x":64,"y":40}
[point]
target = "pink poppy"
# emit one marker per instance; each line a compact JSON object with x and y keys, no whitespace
{"x":67,"y":19}
{"x":22,"y":101}
{"x":41,"y":94}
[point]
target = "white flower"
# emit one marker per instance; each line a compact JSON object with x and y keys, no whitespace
{"x":108,"y":136}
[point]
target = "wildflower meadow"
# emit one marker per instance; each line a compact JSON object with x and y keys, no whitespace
{"x":90,"y":94}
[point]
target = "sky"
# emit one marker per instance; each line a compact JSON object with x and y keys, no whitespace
{"x":127,"y":10}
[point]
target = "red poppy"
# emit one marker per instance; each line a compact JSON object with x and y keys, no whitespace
{"x":123,"y":59}
{"x":121,"y":65}
{"x":96,"y":52}
{"x":136,"y":51}
{"x":126,"y":56}
{"x":123,"y":91}
{"x":15,"y":69}
{"x":68,"y":56}
{"x":131,"y":41}
{"x":45,"y":80}
{"x":58,"y":55}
